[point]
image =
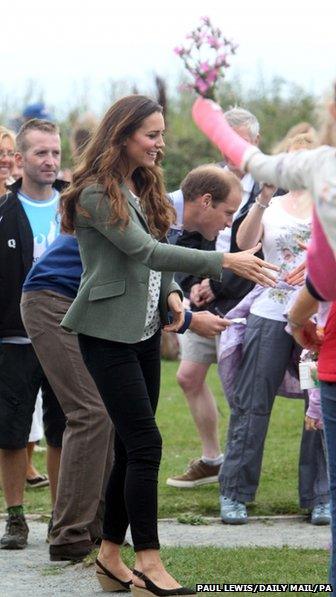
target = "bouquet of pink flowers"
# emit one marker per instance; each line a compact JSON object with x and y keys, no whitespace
{"x":206,"y":57}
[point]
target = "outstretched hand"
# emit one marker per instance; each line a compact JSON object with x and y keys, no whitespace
{"x":247,"y":265}
{"x":297,"y":276}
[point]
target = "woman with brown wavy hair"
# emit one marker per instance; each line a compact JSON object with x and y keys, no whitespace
{"x":106,"y":162}
{"x":118,"y":208}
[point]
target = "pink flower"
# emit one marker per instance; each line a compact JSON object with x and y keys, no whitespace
{"x":214,"y":42}
{"x":204,"y":67}
{"x":205,"y":57}
{"x":201,"y":85}
{"x":212,"y":76}
{"x":221,"y":60}
{"x":180,"y":51}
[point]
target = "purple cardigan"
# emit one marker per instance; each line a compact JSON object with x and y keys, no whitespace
{"x":231,"y":347}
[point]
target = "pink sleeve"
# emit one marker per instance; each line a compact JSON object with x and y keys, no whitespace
{"x":209,"y":118}
{"x":321,"y":262}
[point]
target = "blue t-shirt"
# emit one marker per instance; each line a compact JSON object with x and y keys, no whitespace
{"x":42,"y":216}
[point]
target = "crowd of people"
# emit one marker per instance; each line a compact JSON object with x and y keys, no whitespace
{"x":87,"y":266}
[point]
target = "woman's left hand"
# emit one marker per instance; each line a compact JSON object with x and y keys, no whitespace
{"x":175,"y":305}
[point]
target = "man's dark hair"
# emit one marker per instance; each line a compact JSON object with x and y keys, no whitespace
{"x":210,"y":179}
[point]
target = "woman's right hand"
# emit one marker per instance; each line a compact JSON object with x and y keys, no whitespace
{"x":176,"y":308}
{"x":247,"y":265}
{"x":266,"y":193}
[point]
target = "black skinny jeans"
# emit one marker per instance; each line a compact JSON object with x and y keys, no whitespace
{"x":128,"y":379}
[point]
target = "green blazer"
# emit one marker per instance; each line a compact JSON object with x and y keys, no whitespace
{"x":112,"y":296}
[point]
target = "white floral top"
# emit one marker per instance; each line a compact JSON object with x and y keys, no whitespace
{"x":153,"y":320}
{"x":282,"y":232}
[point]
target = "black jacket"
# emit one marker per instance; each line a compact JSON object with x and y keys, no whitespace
{"x":232,"y":288}
{"x":16,"y":258}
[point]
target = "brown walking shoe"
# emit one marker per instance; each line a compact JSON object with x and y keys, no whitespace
{"x":197,"y":473}
{"x":16,"y":533}
{"x":75,"y":552}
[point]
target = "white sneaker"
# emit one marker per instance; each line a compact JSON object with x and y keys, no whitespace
{"x":232,"y":511}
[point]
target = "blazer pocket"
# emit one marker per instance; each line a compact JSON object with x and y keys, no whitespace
{"x":109,"y":290}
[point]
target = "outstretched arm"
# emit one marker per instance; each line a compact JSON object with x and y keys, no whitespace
{"x":312,"y":169}
{"x":288,"y":171}
{"x":139,"y":245}
{"x":210,"y":119}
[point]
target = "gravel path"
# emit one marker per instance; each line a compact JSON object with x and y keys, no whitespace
{"x":29,"y":572}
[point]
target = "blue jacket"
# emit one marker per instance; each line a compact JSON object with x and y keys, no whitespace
{"x":59,"y":269}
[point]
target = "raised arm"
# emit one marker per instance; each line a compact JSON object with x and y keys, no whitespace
{"x":288,"y":171}
{"x":251,"y":230}
{"x":313,"y":169}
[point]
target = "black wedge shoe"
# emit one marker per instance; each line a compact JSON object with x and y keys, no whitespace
{"x":151,"y":589}
{"x":109,"y":582}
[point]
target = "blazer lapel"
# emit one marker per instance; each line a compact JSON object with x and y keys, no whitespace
{"x":132,"y":201}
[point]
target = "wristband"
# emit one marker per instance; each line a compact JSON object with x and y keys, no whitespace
{"x":187,"y":321}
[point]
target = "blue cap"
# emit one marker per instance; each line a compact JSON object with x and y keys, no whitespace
{"x":37,"y":110}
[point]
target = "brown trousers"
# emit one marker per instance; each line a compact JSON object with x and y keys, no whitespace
{"x":87,"y":448}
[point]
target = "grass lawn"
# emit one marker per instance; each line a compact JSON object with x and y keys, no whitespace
{"x":242,"y":566}
{"x":277,"y":495}
{"x":278,"y":488}
{"x":181,"y":443}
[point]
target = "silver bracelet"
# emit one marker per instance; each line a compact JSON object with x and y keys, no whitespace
{"x":260,"y":205}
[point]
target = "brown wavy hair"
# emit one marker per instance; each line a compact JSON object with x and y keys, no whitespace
{"x":105,"y":162}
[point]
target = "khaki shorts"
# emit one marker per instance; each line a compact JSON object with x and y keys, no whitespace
{"x":198,"y":349}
